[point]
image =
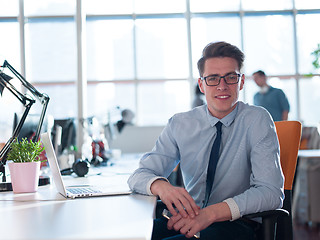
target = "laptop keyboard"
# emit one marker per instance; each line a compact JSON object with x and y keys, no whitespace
{"x":83,"y":190}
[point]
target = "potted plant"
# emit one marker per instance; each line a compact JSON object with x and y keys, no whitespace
{"x":24,"y":165}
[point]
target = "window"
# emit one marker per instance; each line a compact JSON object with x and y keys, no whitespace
{"x":110,"y":53}
{"x":51,"y":58}
{"x":214,"y":5}
{"x":308,"y":39}
{"x":11,"y":8}
{"x":268,"y":43}
{"x":142,"y":54}
{"x":253,"y":5}
{"x":10,"y":37}
{"x":161,"y":46}
{"x":211,"y":28}
{"x":309,"y":99}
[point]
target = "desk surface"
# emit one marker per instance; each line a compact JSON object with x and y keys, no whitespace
{"x":48,"y":215}
{"x":309,"y":153}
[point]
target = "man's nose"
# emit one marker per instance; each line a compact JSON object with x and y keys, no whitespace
{"x":222,"y":83}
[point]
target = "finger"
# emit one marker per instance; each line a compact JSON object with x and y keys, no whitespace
{"x":179,"y":224}
{"x":171,"y":209}
{"x":189,"y":231}
{"x":195,"y":208}
{"x":190,"y":207}
{"x":190,"y":234}
{"x":173,"y":220}
{"x":181,"y":209}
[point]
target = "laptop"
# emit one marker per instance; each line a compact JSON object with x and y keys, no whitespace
{"x":77,"y":191}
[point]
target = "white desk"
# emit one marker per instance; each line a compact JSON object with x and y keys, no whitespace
{"x":47,"y":215}
{"x":309,"y":153}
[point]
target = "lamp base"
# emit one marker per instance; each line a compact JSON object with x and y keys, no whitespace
{"x":7,"y":187}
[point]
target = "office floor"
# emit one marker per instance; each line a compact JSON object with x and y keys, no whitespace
{"x":306,"y":232}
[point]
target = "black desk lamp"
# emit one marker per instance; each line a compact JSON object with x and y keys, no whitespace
{"x":27,"y":103}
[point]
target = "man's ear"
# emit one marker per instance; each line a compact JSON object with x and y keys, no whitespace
{"x":243,"y":77}
{"x":200,"y":85}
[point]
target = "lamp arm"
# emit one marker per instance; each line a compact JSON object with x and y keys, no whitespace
{"x":43,"y":98}
{"x":27,"y":102}
{"x":45,"y":101}
{"x":22,"y":98}
{"x":15,"y":134}
{"x":24,"y":82}
{"x":4,"y":151}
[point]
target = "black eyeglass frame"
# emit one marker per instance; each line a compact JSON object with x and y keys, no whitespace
{"x":239,"y":75}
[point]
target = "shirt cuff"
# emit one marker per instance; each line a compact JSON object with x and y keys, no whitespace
{"x":234,"y":209}
{"x":151,"y":181}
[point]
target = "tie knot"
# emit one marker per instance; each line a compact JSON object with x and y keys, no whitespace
{"x":218,"y":126}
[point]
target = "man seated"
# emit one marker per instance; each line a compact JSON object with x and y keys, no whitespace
{"x":228,"y":153}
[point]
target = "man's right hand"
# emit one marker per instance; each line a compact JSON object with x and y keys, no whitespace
{"x":177,"y":199}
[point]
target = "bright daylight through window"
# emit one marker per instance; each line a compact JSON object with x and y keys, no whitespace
{"x":141,"y":54}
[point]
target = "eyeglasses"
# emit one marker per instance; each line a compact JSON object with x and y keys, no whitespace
{"x":214,"y":80}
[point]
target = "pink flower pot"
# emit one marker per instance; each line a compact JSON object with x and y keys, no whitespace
{"x":24,"y":176}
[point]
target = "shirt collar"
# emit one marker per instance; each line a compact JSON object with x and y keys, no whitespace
{"x":226,"y":121}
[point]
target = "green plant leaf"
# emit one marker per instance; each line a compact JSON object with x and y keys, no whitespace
{"x":25,"y":151}
{"x":316,"y":54}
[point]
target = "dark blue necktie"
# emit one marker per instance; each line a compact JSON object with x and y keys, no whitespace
{"x":213,"y":161}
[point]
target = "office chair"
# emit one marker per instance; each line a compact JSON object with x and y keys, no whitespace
{"x":277,"y":224}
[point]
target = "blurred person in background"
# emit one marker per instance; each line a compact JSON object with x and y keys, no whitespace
{"x":272,"y":99}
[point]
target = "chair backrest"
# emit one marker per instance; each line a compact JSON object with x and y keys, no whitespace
{"x":289,"y":135}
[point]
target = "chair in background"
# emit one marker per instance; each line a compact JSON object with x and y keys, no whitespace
{"x":277,"y":224}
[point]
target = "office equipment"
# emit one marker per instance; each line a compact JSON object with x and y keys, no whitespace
{"x":277,"y":224}
{"x":64,"y":132}
{"x":80,"y":167}
{"x":27,"y":103}
{"x":79,"y":191}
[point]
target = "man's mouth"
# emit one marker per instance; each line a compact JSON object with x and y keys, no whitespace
{"x":222,"y":96}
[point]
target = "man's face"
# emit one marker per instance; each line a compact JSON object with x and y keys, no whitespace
{"x":221,"y":99}
{"x":260,"y":80}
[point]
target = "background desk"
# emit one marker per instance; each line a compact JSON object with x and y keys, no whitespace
{"x":309,"y":153}
{"x":47,"y":215}
{"x":306,"y":196}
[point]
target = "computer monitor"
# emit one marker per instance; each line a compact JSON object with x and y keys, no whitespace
{"x":68,"y":136}
{"x":30,"y":125}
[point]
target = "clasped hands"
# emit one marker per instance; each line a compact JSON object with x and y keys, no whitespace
{"x":186,"y":217}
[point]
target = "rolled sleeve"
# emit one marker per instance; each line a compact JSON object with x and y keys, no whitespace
{"x":234,"y":209}
{"x":152,"y":181}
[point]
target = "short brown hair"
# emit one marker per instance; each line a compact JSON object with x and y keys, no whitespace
{"x":220,"y":49}
{"x":260,"y":73}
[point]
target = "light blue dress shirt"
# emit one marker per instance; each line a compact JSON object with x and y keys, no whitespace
{"x":248,"y":171}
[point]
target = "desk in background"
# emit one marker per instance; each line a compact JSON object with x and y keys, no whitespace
{"x":306,"y":191}
{"x":48,"y":215}
{"x":309,"y":153}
